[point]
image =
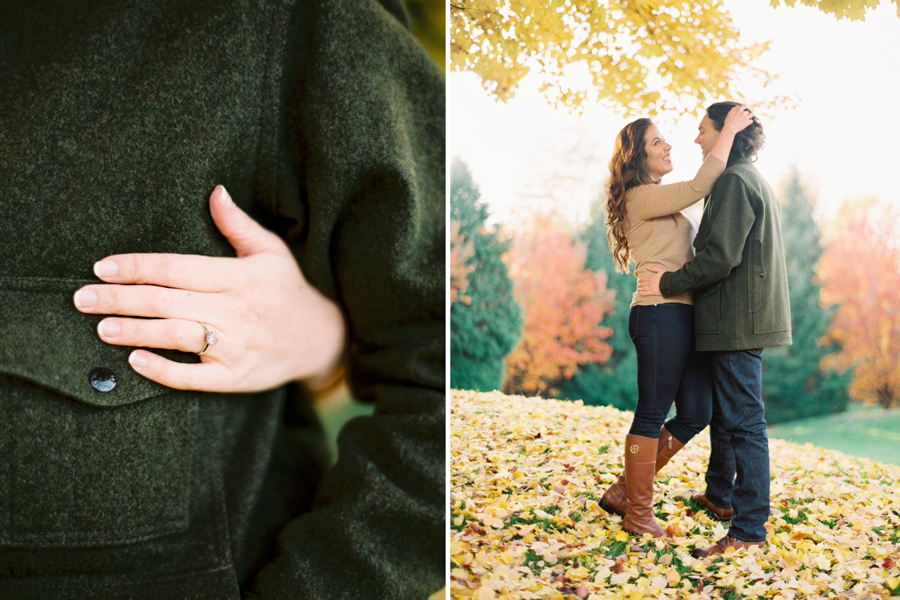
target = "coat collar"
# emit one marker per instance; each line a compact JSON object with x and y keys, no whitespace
{"x":734,"y":160}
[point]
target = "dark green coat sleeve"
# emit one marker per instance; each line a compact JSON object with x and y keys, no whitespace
{"x":727,"y":220}
{"x":361,"y":202}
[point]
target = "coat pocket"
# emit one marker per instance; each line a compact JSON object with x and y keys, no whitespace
{"x":756,"y":276}
{"x":708,"y":310}
{"x":80,"y":466}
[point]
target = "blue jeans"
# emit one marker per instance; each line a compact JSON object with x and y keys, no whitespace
{"x":738,"y":472}
{"x":669,"y":370}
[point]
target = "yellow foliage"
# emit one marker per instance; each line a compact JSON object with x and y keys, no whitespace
{"x":854,"y":10}
{"x":841,"y":544}
{"x":643,"y":56}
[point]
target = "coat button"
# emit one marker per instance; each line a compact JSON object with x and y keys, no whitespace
{"x":762,"y":274}
{"x":103,"y":380}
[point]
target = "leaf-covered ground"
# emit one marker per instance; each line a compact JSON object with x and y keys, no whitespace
{"x":526,"y":474}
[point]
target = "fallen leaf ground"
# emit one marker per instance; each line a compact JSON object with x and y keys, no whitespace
{"x":526,"y":474}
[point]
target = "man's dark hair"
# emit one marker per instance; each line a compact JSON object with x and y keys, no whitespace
{"x":747,"y":143}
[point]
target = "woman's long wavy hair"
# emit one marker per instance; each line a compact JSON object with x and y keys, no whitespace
{"x":627,"y":169}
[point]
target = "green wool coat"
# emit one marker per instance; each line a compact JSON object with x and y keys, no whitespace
{"x":325,"y":121}
{"x":738,"y":275}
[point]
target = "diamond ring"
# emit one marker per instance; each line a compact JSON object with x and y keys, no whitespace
{"x":211,"y":338}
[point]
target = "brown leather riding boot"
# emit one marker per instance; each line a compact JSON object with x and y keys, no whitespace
{"x":615,"y":499}
{"x":640,"y":467}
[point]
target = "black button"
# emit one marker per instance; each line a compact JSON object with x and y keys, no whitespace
{"x":103,"y":379}
{"x":762,"y":274}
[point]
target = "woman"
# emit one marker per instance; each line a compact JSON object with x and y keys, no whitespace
{"x":646,"y":227}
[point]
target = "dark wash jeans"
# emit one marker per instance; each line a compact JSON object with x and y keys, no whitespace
{"x":669,"y":370}
{"x":738,"y":472}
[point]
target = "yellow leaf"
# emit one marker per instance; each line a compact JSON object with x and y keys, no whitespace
{"x":674,"y":529}
{"x":792,"y":561}
{"x":621,"y":536}
{"x":486,"y":594}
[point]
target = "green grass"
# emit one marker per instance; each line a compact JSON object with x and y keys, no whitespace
{"x":533,"y":561}
{"x":615,"y":549}
{"x":861,"y":431}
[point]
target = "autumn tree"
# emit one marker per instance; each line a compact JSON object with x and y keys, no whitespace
{"x":462,"y":250}
{"x":613,"y":382}
{"x":795,"y":384}
{"x":564,"y":304}
{"x":641,"y":56}
{"x":860,"y":270}
{"x":485,"y":321}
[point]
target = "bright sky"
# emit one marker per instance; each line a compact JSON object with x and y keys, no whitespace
{"x":844,"y":137}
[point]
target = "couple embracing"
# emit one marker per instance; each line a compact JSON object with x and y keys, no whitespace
{"x":700,"y":318}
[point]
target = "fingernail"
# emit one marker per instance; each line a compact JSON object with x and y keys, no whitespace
{"x":107,"y":328}
{"x":85,"y":298}
{"x":106,"y":268}
{"x":226,"y":196}
{"x":137,"y":360}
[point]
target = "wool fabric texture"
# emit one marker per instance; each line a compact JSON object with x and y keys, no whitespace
{"x":738,"y":275}
{"x":325,"y":121}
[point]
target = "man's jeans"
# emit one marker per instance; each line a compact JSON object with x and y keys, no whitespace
{"x":739,"y":445}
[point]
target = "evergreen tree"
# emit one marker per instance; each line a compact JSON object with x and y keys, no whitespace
{"x":615,"y":382}
{"x":487,"y":325}
{"x":794,"y":384}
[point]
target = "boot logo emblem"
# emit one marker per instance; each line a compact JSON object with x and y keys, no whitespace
{"x":634,"y":449}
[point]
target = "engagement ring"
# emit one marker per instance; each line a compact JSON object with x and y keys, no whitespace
{"x":211,"y":338}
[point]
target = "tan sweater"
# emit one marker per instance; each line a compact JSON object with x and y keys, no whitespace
{"x":658,"y":234}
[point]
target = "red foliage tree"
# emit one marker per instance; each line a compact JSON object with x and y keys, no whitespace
{"x":461,"y":251}
{"x":860,"y":270}
{"x":563,"y":303}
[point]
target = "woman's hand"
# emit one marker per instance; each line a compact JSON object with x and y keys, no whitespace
{"x":272,"y":326}
{"x":738,"y":118}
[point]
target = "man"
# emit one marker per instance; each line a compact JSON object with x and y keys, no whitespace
{"x":741,"y":306}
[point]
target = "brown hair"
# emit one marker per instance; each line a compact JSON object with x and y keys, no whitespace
{"x":747,"y":142}
{"x":627,"y":169}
